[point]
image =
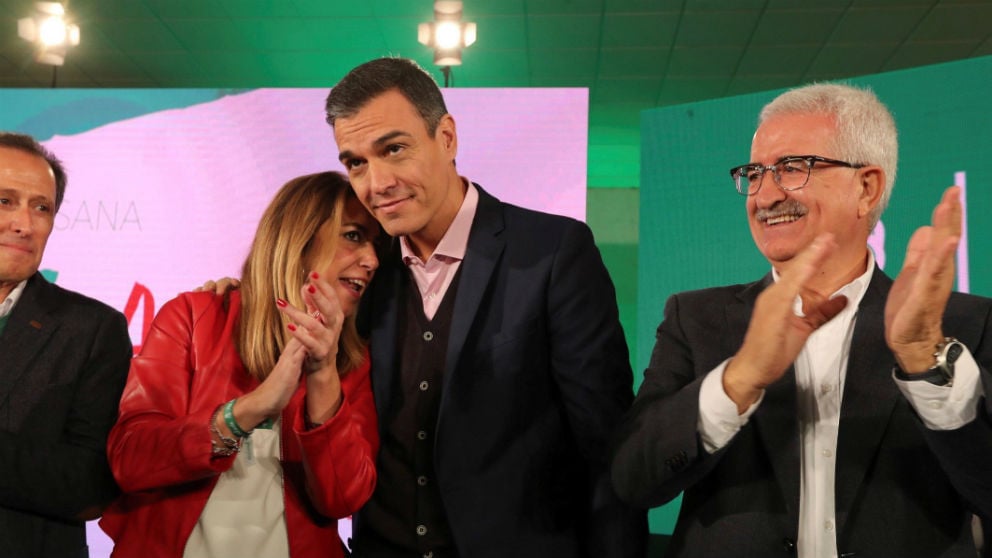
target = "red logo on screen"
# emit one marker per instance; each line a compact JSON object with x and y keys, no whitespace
{"x":140,"y":294}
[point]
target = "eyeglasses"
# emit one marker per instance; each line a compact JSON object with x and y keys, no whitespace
{"x":790,"y":173}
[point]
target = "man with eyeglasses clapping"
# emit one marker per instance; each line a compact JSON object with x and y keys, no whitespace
{"x":824,"y":410}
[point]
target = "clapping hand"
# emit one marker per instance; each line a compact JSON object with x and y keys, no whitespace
{"x":776,"y":335}
{"x":312,"y":348}
{"x":915,"y":307}
{"x":318,"y":330}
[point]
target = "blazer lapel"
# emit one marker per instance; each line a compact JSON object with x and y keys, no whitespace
{"x":485,"y":247}
{"x":777,"y":420}
{"x":384,"y":310}
{"x":870,"y":397}
{"x":31,"y":325}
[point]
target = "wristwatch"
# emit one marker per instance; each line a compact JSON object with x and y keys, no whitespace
{"x":942,"y":372}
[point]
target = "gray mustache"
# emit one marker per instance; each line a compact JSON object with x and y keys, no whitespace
{"x":782,"y":208}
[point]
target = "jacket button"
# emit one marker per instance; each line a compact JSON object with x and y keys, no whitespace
{"x":677,"y":462}
{"x":789,"y":545}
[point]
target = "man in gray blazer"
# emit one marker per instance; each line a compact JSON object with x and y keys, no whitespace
{"x":824,"y":410}
{"x":63,"y":362}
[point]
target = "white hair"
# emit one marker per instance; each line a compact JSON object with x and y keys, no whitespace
{"x":866,"y":131}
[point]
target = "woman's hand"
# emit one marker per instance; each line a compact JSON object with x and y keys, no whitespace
{"x":318,"y":330}
{"x":272,"y":395}
{"x":313,"y":348}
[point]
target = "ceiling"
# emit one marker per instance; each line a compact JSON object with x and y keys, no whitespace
{"x":631,"y":54}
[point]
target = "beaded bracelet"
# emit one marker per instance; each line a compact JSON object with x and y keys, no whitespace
{"x":230,"y":444}
{"x":231,"y":423}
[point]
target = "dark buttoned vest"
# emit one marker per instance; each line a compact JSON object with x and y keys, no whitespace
{"x":405,"y":516}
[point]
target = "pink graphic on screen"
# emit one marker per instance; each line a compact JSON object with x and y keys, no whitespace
{"x":876,"y":241}
{"x":964,"y":285}
{"x":160,"y":203}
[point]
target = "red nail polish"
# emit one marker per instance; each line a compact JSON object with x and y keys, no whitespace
{"x":314,"y":275}
{"x":291,"y":327}
{"x":311,"y":289}
{"x":281,"y":303}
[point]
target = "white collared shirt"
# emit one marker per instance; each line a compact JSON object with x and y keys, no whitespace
{"x":820,"y":373}
{"x":7,"y":304}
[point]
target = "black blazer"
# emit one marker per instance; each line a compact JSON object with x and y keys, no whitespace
{"x":902,"y":490}
{"x":537,"y":376}
{"x":63,"y":363}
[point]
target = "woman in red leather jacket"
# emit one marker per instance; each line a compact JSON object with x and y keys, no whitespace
{"x":247,"y":426}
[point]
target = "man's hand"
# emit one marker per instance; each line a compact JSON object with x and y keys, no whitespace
{"x":915,"y":307}
{"x":219,"y":287}
{"x":776,"y":334}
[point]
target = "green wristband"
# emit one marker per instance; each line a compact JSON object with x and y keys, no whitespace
{"x":230,"y":422}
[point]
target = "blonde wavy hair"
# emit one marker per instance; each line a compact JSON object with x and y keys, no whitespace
{"x":277,"y":266}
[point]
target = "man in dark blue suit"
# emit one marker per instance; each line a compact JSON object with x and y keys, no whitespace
{"x":499,"y":366}
{"x":63,"y":362}
{"x":826,"y":409}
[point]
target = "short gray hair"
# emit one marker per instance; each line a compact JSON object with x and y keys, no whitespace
{"x":866,"y":130}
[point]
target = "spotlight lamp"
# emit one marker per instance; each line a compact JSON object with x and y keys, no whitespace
{"x":447,"y":34}
{"x":50,"y":31}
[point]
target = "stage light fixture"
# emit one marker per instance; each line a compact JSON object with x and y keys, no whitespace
{"x":447,"y":34}
{"x":49,"y":29}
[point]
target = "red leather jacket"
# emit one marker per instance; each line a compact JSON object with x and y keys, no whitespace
{"x":160,"y":450}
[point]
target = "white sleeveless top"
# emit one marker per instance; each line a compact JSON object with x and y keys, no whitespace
{"x":245,"y":514}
